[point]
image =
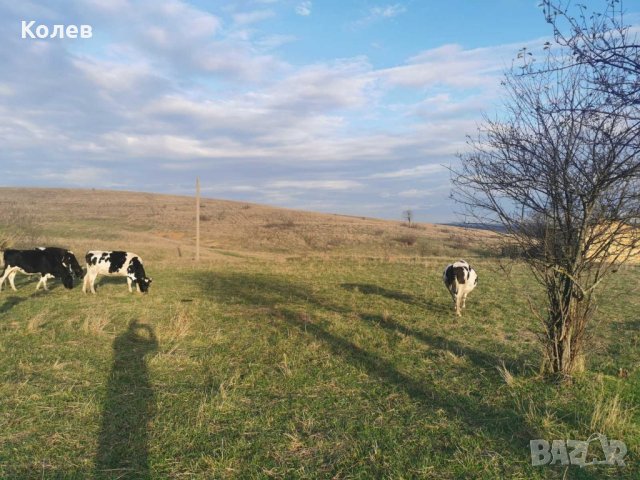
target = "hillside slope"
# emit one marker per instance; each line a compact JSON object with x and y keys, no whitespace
{"x":99,"y":219}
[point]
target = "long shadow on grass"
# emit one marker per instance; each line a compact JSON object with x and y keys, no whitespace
{"x":128,"y":407}
{"x":499,"y":423}
{"x":369,"y":289}
{"x":478,"y":416}
{"x":435,"y":341}
{"x":11,"y":302}
{"x":280,"y":296}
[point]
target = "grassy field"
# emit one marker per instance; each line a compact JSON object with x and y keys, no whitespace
{"x":337,"y":356}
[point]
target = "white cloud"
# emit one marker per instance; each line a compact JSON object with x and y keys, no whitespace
{"x":6,"y":90}
{"x":388,"y":11}
{"x":422,"y":193}
{"x":253,"y":17}
{"x":304,"y":8}
{"x":323,"y":87}
{"x":115,"y":76}
{"x":378,"y":13}
{"x":271,"y":42}
{"x":453,"y":66}
{"x":418,"y":171}
{"x":315,"y":184}
{"x":81,"y":176}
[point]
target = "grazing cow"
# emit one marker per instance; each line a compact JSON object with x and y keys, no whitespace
{"x":49,"y":262}
{"x":122,"y":264}
{"x":460,"y":279}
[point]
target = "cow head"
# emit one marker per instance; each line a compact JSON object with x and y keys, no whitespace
{"x":70,"y":262}
{"x":144,"y":283}
{"x":136,"y":270}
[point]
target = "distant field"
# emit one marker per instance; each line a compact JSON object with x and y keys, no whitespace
{"x":302,"y":346}
{"x":164,"y":225}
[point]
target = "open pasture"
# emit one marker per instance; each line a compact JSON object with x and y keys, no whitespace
{"x":335,"y":355}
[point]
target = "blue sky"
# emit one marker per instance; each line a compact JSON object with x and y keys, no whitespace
{"x":351,"y":107}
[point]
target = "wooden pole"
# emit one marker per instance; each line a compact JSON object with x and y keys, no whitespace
{"x":197,"y":219}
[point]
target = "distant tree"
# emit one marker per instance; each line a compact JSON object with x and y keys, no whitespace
{"x":559,"y":170}
{"x":408,"y":216}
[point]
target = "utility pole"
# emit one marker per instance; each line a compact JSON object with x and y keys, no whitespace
{"x":197,"y":219}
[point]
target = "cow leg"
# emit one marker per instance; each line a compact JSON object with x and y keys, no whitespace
{"x":464,"y":300}
{"x":458,"y":302}
{"x":12,"y":278}
{"x":129,"y":284}
{"x":43,"y":282}
{"x":5,"y":274}
{"x":46,"y":277}
{"x":138,"y":287}
{"x":92,"y":282}
{"x":85,"y":282}
{"x":453,"y":296}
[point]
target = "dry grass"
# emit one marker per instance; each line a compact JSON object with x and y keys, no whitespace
{"x":610,"y":415}
{"x":97,"y":219}
{"x":302,"y":346}
{"x":95,"y":324}
{"x":37,"y":321}
{"x":506,"y":375}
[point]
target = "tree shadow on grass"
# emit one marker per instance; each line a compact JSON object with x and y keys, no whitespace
{"x":408,"y":298}
{"x":282,"y":296}
{"x":478,"y":357}
{"x":128,"y":407}
{"x":369,"y":289}
{"x":11,"y":302}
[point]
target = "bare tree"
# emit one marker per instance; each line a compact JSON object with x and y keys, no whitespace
{"x":602,"y":41}
{"x":560,"y":172}
{"x":408,"y":216}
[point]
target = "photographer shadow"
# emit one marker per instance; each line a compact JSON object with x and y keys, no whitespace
{"x":128,"y":408}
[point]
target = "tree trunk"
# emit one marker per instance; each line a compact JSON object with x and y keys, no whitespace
{"x":567,"y":316}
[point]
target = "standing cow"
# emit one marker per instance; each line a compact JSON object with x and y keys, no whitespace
{"x":460,"y":279}
{"x":49,"y":262}
{"x":121,"y":264}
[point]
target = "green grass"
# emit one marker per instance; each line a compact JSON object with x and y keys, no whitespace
{"x":305,"y":368}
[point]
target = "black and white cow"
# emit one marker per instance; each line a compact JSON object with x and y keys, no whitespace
{"x":460,"y":279}
{"x":49,"y":262}
{"x":121,"y":264}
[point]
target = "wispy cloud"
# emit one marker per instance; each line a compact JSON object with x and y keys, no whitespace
{"x":270,"y":42}
{"x":441,"y":190}
{"x":380,"y":12}
{"x":255,"y":16}
{"x":315,"y":184}
{"x":413,"y":172}
{"x":304,"y":8}
{"x":80,"y":176}
{"x":388,"y":11}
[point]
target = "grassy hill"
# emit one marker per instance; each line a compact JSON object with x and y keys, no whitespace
{"x":303,"y":345}
{"x":94,"y":219}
